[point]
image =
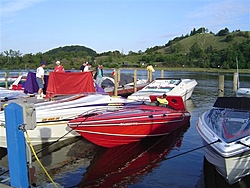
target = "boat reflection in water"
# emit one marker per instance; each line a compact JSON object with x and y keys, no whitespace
{"x":124,"y":165}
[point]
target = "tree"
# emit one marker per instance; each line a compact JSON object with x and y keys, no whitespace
{"x":223,"y":32}
{"x":195,"y":51}
{"x":193,"y":32}
{"x":229,"y":38}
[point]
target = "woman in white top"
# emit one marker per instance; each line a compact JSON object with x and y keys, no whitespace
{"x":40,"y":80}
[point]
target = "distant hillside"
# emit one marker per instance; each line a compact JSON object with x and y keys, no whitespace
{"x":199,"y":49}
{"x":74,"y":48}
{"x":179,"y":45}
{"x":205,"y":41}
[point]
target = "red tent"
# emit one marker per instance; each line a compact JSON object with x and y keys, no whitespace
{"x":69,"y":83}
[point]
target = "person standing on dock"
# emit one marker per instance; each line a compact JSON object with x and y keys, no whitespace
{"x":40,"y":80}
{"x":87,"y":67}
{"x":151,"y":70}
{"x":58,"y":67}
{"x":98,"y":75}
{"x":84,"y":64}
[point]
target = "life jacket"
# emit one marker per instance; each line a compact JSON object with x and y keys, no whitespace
{"x":59,"y":68}
{"x":162,"y":100}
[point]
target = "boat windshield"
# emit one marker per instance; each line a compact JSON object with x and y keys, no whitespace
{"x":229,"y":124}
{"x":163,"y":84}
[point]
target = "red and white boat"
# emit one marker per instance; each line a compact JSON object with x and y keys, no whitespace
{"x":110,"y":128}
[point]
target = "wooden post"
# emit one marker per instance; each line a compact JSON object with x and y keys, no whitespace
{"x":115,"y":82}
{"x":162,"y":73}
{"x":135,"y":80}
{"x":221,"y":86}
{"x":6,"y":76}
{"x":236,"y":82}
{"x":150,"y":76}
{"x":118,"y":76}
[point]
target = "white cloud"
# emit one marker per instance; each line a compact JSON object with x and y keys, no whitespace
{"x":10,"y":8}
{"x":220,"y":13}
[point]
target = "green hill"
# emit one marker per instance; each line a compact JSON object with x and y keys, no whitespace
{"x":69,"y":49}
{"x":207,"y":40}
{"x":195,"y":50}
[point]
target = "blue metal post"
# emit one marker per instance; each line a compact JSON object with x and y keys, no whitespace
{"x":16,"y":146}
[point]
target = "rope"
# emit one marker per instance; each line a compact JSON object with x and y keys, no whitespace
{"x":192,"y":150}
{"x":168,"y":157}
{"x":32,"y":149}
{"x":239,"y":142}
{"x":145,"y":166}
{"x":49,"y":144}
{"x":72,"y":129}
{"x":39,"y":151}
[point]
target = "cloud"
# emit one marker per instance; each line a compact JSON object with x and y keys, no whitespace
{"x":220,"y":13}
{"x":10,"y":8}
{"x":168,"y":35}
{"x":142,"y":42}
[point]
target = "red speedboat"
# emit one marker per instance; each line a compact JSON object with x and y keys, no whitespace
{"x":131,"y":123}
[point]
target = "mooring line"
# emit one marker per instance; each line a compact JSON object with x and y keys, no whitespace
{"x":239,"y":142}
{"x":162,"y":160}
{"x":49,"y":144}
{"x":145,"y":166}
{"x":39,"y":151}
{"x":192,"y":150}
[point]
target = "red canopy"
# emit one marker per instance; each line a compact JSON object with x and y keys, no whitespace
{"x":69,"y":83}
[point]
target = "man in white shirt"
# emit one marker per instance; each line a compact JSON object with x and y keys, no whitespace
{"x":40,"y":80}
{"x":87,"y":67}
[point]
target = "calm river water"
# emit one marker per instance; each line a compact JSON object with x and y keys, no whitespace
{"x":162,"y":162}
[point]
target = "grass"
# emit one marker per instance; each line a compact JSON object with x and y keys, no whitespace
{"x":244,"y":71}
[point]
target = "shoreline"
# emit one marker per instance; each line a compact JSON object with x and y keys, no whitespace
{"x":212,"y":70}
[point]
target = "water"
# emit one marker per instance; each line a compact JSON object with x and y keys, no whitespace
{"x":149,"y":163}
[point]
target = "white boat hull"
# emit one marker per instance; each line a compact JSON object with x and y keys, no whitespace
{"x":243,"y":92}
{"x":231,"y":159}
{"x":233,"y":168}
{"x":44,"y":133}
{"x":179,"y":87}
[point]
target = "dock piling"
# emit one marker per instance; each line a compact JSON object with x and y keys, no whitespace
{"x":135,"y":80}
{"x":162,"y":73}
{"x":235,"y":82}
{"x":115,"y":82}
{"x":150,"y":75}
{"x":6,"y":76}
{"x":221,"y":86}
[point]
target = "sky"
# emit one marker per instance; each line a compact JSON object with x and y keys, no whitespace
{"x":33,"y":26}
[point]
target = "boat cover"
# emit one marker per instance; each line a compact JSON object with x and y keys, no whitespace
{"x":31,"y":85}
{"x":233,"y":102}
{"x":70,"y":83}
{"x":124,"y":79}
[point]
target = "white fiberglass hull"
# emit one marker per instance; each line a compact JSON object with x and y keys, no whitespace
{"x":231,"y":160}
{"x":52,"y":117}
{"x":243,"y":92}
{"x":11,"y":94}
{"x":44,"y":133}
{"x":183,"y":88}
{"x":233,"y":168}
